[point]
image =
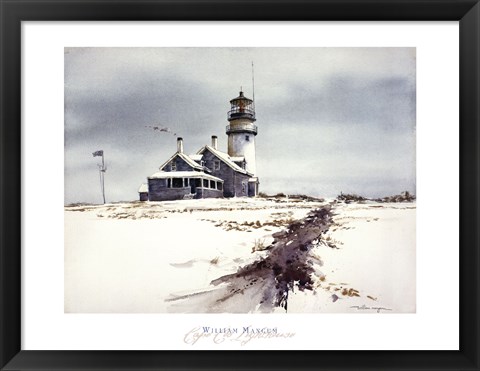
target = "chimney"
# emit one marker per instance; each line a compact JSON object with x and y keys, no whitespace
{"x":180,"y":145}
{"x":214,"y":141}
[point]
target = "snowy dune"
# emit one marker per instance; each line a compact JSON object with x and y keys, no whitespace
{"x":163,"y":257}
{"x":374,"y":255}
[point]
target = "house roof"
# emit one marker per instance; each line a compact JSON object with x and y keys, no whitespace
{"x":183,"y":174}
{"x":143,"y":188}
{"x":237,"y":158}
{"x":185,"y":158}
{"x":225,"y":158}
{"x":195,"y":157}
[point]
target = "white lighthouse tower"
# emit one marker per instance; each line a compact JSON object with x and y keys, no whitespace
{"x":241,"y":131}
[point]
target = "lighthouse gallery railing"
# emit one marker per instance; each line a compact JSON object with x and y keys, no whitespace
{"x":241,"y":128}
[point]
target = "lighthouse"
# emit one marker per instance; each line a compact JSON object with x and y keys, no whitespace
{"x":242,"y":130}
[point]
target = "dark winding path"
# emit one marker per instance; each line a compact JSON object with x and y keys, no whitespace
{"x":266,"y":283}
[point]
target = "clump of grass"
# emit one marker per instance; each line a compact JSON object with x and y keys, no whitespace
{"x":306,"y":198}
{"x":348,"y":198}
{"x":402,"y":197}
{"x":350,"y":292}
{"x":259,"y":245}
{"x":215,"y":260}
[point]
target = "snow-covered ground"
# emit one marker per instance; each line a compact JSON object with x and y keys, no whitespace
{"x":162,"y":257}
{"x":375,"y":256}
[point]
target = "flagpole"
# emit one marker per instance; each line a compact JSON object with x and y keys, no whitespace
{"x":103,"y":178}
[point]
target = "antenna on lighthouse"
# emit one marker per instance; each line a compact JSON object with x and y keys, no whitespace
{"x":253,"y":86}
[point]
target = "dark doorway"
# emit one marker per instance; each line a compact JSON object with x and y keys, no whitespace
{"x":192,"y":186}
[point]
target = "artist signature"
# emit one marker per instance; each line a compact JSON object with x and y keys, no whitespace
{"x":242,"y":335}
{"x":364,"y":307}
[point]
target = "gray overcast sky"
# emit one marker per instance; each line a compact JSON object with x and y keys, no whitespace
{"x":329,"y":119}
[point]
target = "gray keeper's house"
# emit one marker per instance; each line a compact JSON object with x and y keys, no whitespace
{"x":211,"y":173}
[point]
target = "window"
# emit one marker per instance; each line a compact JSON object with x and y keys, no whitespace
{"x":173,"y":165}
{"x":198,"y":182}
{"x":212,"y":184}
{"x":177,"y":182}
{"x":244,"y":188}
{"x":205,"y":183}
{"x":216,"y":165}
{"x":185,"y":182}
{"x":219,"y":186}
{"x":247,"y":138}
{"x":169,"y":183}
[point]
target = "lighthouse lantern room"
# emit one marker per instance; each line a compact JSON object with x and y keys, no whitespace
{"x":241,"y":131}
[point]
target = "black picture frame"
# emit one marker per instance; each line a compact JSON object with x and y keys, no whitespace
{"x":13,"y":12}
